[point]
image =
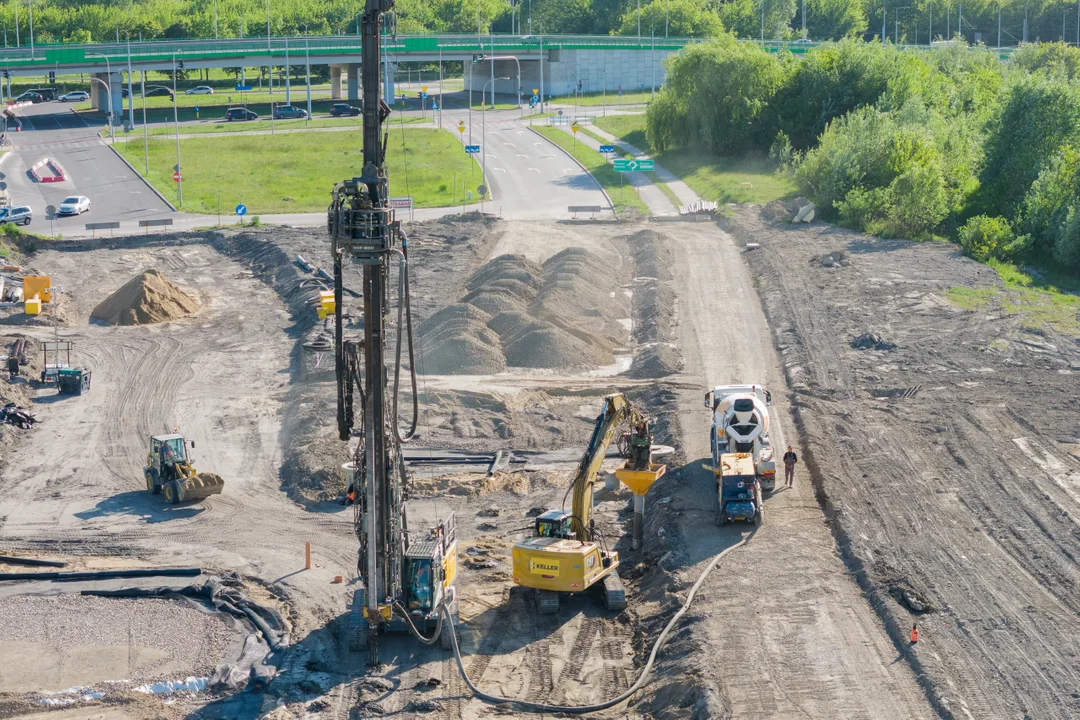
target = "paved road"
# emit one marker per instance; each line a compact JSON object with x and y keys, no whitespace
{"x":94,"y":170}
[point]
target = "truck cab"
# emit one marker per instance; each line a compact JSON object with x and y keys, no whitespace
{"x":738,"y":490}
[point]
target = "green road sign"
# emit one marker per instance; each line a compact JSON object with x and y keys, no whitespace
{"x":633,"y":166}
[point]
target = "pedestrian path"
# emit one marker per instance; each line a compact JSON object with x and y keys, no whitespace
{"x":653,"y":197}
{"x":677,"y":186}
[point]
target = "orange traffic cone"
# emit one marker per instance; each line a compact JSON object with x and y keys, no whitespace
{"x":914,"y":634}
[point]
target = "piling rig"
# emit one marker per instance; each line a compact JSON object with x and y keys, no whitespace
{"x":404,"y":580}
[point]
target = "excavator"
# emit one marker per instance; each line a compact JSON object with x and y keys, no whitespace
{"x":566,"y":552}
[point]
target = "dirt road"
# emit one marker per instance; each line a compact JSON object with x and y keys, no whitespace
{"x":941,"y":411}
{"x":786,"y":630}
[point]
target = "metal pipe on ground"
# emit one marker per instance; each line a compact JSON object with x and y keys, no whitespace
{"x":30,"y":562}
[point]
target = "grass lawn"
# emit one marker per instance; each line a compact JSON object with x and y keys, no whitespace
{"x":739,"y":180}
{"x":1047,"y":301}
{"x":611,"y":98}
{"x":260,"y":171}
{"x":599,"y":168}
{"x":653,"y":177}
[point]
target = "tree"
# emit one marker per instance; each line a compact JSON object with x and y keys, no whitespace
{"x":833,"y":19}
{"x":679,"y":18}
{"x":717,"y":95}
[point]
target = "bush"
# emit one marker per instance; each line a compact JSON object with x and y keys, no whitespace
{"x":1041,"y":115}
{"x":11,"y":230}
{"x":985,"y":238}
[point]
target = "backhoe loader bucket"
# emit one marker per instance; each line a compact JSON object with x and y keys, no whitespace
{"x":200,"y":486}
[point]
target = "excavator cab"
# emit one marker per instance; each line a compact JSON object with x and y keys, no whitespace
{"x":555,"y":524}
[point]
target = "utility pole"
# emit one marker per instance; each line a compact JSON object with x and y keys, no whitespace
{"x":31,"y":4}
{"x":176,"y":122}
{"x":215,"y":20}
{"x":883,"y":30}
{"x":763,"y":23}
{"x":804,"y":19}
{"x":931,"y":35}
{"x":307,"y":75}
{"x":667,"y":14}
{"x":639,"y":20}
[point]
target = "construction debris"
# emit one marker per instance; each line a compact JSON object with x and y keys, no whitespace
{"x":12,"y":414}
{"x":148,"y":298}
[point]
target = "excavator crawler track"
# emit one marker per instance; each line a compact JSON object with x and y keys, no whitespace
{"x":614,"y":592}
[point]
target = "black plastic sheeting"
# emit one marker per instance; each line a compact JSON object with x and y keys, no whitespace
{"x":103,"y":574}
{"x":224,"y":595}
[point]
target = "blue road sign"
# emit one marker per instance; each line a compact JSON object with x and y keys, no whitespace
{"x":196,"y":108}
{"x":423,"y":96}
{"x":472,"y":149}
{"x":243,"y":87}
{"x":607,"y":148}
{"x":402,"y":97}
{"x":434,"y":104}
{"x":241,"y":210}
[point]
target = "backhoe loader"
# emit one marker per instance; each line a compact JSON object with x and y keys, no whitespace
{"x":566,"y":553}
{"x":169,"y":468}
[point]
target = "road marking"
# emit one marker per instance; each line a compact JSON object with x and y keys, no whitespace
{"x":524,"y":156}
{"x":510,"y":144}
{"x":567,"y":171}
{"x":536,"y":170}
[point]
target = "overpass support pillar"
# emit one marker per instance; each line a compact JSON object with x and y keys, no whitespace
{"x":389,"y":70}
{"x":335,"y":82}
{"x":354,"y":83}
{"x":103,"y":100}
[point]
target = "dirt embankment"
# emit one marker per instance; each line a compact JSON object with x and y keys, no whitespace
{"x":655,"y":320}
{"x":943,"y":444}
{"x":441,"y":252}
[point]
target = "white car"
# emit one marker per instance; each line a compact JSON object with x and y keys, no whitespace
{"x":201,"y":90}
{"x":75,"y":96}
{"x":74,"y":205}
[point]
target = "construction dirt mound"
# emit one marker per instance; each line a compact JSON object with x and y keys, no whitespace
{"x":562,"y":314}
{"x":147,"y":298}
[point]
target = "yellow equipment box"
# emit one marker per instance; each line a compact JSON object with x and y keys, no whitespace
{"x":33,"y":306}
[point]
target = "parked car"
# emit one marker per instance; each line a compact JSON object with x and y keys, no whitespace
{"x":46,"y":93}
{"x":28,"y":96}
{"x":75,"y":96}
{"x":74,"y":205}
{"x":240,"y":114}
{"x":343,"y":109}
{"x":19,"y":214}
{"x":157,"y":91}
{"x":289,"y":112}
{"x":201,"y":90}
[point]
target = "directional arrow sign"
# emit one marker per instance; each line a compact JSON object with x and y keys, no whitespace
{"x":633,"y":166}
{"x":243,"y":88}
{"x":423,"y":96}
{"x":472,"y":149}
{"x":607,"y":148}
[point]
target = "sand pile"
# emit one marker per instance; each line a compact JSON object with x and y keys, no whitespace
{"x":147,"y":298}
{"x":517,"y":313}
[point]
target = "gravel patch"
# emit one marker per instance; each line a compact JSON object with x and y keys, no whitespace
{"x":185,"y":638}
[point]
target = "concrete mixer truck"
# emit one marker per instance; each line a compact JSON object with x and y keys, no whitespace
{"x":741,"y":425}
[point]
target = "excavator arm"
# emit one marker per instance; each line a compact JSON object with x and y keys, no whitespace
{"x":617,"y":410}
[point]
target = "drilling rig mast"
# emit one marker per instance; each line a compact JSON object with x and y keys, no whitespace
{"x":403,"y":583}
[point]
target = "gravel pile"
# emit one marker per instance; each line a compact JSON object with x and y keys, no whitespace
{"x":659,"y":360}
{"x":648,"y":249}
{"x":517,"y":313}
{"x":194,"y":642}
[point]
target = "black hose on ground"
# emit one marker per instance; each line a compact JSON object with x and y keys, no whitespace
{"x":404,"y":306}
{"x":530,"y":706}
{"x":413,"y":629}
{"x":29,"y":562}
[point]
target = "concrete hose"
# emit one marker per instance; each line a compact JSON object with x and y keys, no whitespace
{"x":529,"y":706}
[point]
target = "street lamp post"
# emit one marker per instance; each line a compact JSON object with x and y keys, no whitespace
{"x":896,"y":23}
{"x":307,"y":75}
{"x":108,"y":93}
{"x":176,"y":122}
{"x":31,"y":4}
{"x":215,"y":20}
